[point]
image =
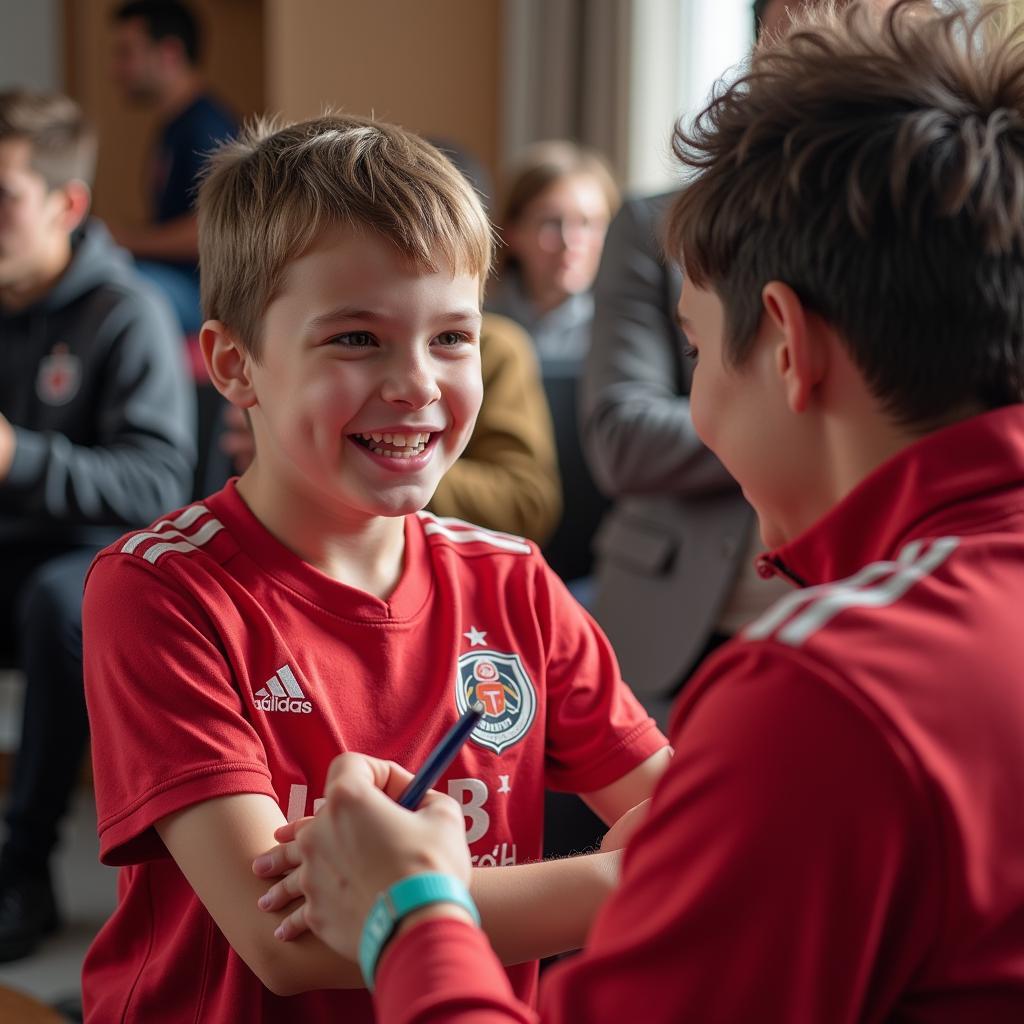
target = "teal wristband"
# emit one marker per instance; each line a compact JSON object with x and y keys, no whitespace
{"x":400,"y":900}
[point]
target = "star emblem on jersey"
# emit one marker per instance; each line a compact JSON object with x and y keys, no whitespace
{"x":281,"y":692}
{"x":499,"y":681}
{"x":476,"y":637}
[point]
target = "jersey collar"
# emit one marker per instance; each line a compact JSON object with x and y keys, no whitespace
{"x":930,"y":488}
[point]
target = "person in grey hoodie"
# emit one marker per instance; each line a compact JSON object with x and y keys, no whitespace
{"x":97,"y":434}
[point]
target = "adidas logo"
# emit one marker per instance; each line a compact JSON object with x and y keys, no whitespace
{"x":282,"y":693}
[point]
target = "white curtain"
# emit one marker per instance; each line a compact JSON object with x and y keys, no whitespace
{"x":615,"y":74}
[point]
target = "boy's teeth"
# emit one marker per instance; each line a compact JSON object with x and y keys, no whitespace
{"x":413,"y":443}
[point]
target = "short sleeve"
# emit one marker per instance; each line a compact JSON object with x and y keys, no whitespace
{"x":597,"y":731}
{"x":168,"y":724}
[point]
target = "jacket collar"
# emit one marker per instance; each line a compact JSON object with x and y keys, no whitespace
{"x":931,"y":487}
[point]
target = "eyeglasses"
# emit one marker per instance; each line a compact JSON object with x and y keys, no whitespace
{"x":553,"y":232}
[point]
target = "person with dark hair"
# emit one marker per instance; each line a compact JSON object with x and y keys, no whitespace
{"x":96,"y":429}
{"x":155,"y":64}
{"x":839,"y":836}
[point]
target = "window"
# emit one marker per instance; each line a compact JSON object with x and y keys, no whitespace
{"x":678,"y":50}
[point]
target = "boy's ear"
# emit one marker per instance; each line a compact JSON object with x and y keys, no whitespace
{"x":75,"y":198}
{"x":800,"y":356}
{"x":228,"y":363}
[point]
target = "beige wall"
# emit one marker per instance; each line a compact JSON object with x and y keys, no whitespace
{"x":431,"y":65}
{"x":233,"y":62}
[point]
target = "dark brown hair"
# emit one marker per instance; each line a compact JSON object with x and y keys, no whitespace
{"x":164,"y":19}
{"x":63,"y":146}
{"x":876,"y":165}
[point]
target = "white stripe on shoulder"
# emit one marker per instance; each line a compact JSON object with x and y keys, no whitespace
{"x":799,"y":616}
{"x":166,"y":527}
{"x":460,"y":532}
{"x":172,"y":539}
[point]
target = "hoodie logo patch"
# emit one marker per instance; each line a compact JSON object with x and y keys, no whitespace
{"x":59,"y":377}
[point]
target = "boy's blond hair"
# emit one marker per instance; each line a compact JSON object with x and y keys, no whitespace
{"x":268,"y":195}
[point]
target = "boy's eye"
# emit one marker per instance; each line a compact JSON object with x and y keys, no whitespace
{"x":449,"y":339}
{"x":690,"y":352}
{"x":355,"y":339}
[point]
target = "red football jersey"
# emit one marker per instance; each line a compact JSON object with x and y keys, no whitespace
{"x":218,"y":662}
{"x":839,"y":838}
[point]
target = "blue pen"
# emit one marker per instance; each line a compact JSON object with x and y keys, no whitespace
{"x":440,"y":757}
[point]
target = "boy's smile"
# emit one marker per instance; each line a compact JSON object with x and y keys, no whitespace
{"x":367,"y":385}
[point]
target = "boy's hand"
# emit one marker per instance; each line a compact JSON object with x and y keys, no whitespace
{"x":622,"y":831}
{"x":280,"y":862}
{"x":361,"y":842}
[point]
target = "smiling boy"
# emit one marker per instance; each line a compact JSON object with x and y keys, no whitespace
{"x":311,"y":607}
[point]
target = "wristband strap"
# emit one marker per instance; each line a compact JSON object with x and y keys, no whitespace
{"x":400,"y":900}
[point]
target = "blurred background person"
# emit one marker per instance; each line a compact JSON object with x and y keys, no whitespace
{"x":156,"y":51}
{"x":96,"y":436}
{"x":558,"y":203}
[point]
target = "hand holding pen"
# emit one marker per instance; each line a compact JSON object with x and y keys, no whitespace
{"x":359,"y":783}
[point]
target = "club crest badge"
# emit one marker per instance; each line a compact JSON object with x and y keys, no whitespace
{"x":59,"y":377}
{"x":501,"y":684}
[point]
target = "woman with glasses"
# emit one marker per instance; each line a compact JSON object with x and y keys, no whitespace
{"x":556,"y":213}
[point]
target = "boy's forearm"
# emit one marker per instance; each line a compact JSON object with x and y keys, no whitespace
{"x":213,"y":843}
{"x":531,"y":911}
{"x":305,"y":965}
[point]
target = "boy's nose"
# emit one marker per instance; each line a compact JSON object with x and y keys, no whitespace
{"x":412,"y":384}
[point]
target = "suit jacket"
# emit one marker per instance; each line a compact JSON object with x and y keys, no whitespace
{"x":669,"y":551}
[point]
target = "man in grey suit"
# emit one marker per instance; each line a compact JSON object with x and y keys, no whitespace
{"x":674,"y":555}
{"x":675,"y":572}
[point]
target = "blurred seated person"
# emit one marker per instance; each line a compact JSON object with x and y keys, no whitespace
{"x":96,"y":436}
{"x":557,"y":208}
{"x":156,"y":53}
{"x":507,"y":478}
